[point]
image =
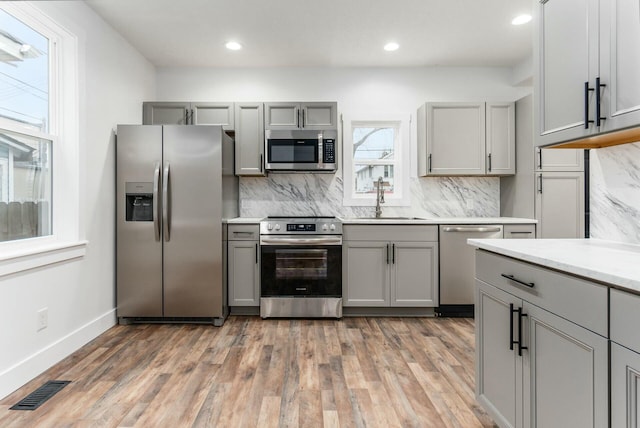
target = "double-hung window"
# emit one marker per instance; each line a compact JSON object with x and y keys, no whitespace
{"x":39,"y":169}
{"x":376,"y":152}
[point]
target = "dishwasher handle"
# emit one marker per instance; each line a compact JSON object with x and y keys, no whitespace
{"x":472,"y":229}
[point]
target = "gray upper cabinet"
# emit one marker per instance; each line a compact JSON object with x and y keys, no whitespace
{"x":312,"y":115}
{"x":587,"y":62}
{"x":187,"y":113}
{"x":165,"y":113}
{"x":466,"y":139}
{"x":249,"y":137}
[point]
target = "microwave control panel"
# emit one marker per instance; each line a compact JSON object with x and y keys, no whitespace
{"x":329,"y":155}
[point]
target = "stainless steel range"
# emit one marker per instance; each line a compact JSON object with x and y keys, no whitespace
{"x":301,"y":267}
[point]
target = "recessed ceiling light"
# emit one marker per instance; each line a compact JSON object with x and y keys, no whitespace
{"x":234,"y":46}
{"x":391,"y":46}
{"x":521,"y":19}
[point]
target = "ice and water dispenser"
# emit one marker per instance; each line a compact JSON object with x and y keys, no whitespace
{"x":139,"y":201}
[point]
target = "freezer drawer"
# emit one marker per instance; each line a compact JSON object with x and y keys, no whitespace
{"x":457,"y":265}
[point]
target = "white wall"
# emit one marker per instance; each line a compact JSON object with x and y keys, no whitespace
{"x":80,"y":296}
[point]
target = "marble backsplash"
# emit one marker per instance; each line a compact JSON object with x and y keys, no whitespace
{"x":615,"y":193}
{"x":321,"y":195}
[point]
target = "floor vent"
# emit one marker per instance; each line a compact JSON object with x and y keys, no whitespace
{"x":40,"y":395}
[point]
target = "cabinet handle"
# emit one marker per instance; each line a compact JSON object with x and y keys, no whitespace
{"x":192,"y":112}
{"x":511,"y":341}
{"x":261,"y":159}
{"x":520,"y":346}
{"x":186,"y":116}
{"x":298,"y":113}
{"x":540,"y":183}
{"x":387,"y":253}
{"x":539,"y":158}
{"x":393,"y":254}
{"x":519,"y":281}
{"x":489,"y":162}
{"x":304,"y":121}
{"x":256,"y":253}
{"x":429,"y":162}
{"x":587,"y":89}
{"x":523,"y":232}
{"x":598,"y":99}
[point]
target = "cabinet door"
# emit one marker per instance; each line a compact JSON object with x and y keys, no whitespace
{"x":559,"y":159}
{"x":414,"y":276}
{"x":560,"y":204}
{"x":365,"y":279}
{"x":249,"y":139}
{"x":620,"y":64}
{"x":282,"y":115}
{"x":500,"y":139}
{"x":455,"y":138}
{"x":165,"y":113}
{"x":213,"y":114}
{"x":498,"y":368}
{"x":244,"y":273}
{"x":565,"y":373}
{"x":519,"y":231}
{"x":566,"y":54}
{"x":625,"y":387}
{"x":319,"y":115}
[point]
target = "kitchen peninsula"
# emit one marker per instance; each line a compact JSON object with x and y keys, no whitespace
{"x":555,"y":322}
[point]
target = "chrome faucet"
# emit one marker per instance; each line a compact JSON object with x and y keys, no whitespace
{"x":379,"y":197}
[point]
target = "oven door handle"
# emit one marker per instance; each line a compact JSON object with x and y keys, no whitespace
{"x":307,"y":241}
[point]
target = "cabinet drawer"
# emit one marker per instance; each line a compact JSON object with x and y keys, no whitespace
{"x":625,"y":318}
{"x":419,"y":233}
{"x":519,"y":231}
{"x":244,"y":232}
{"x":580,"y":301}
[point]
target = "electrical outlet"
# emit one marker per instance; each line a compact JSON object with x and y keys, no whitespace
{"x":43,"y":318}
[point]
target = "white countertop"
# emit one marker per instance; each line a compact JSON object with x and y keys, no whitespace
{"x":244,"y":220}
{"x":614,"y":263}
{"x":440,"y":220}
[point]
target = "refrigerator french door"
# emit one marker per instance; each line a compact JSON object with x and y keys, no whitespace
{"x":169,"y":223}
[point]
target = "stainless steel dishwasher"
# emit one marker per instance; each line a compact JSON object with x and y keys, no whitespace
{"x":458,"y":266}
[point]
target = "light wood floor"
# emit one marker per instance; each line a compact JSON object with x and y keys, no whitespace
{"x":355,"y":372}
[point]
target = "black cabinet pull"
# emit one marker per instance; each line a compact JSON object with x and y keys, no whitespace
{"x":393,"y":254}
{"x":587,"y":89}
{"x":511,"y":341}
{"x":303,"y":119}
{"x":429,"y":162}
{"x":387,"y":253}
{"x":540,"y":183}
{"x":192,"y":113}
{"x":298,"y":113}
{"x":256,"y":253}
{"x":520,"y":346}
{"x":539,"y":158}
{"x":489,"y":162}
{"x":186,"y":116}
{"x":519,"y":281}
{"x":261,"y":159}
{"x":598,"y":100}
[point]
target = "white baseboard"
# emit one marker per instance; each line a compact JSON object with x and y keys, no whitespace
{"x":24,"y":371}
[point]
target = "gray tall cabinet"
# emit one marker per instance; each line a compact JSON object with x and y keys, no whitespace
{"x":548,"y":184}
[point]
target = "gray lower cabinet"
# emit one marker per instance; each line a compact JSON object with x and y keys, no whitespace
{"x":625,"y":359}
{"x":249,"y":139}
{"x":381,"y":272}
{"x":537,"y":365}
{"x":244,"y":265}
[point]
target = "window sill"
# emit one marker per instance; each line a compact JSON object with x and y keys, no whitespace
{"x":40,"y":255}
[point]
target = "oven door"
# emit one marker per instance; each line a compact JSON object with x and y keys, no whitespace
{"x":301,"y":267}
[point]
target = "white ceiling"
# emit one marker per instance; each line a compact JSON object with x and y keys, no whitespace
{"x":319,"y":33}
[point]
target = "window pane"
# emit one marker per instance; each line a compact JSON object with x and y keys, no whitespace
{"x":373,"y":143}
{"x":24,"y":73}
{"x":25,"y":186}
{"x":366,"y":178}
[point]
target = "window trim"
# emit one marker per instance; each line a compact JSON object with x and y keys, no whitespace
{"x":401,"y":162}
{"x":67,"y":239}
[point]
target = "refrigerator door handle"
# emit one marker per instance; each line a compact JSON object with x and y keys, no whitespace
{"x":157,"y":213}
{"x":166,"y":202}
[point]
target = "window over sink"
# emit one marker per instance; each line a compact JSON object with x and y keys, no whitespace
{"x":376,"y":147}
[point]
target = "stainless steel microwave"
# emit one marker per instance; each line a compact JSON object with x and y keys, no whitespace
{"x":300,"y":150}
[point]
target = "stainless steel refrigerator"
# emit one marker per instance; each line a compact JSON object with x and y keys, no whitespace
{"x":175,"y":189}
